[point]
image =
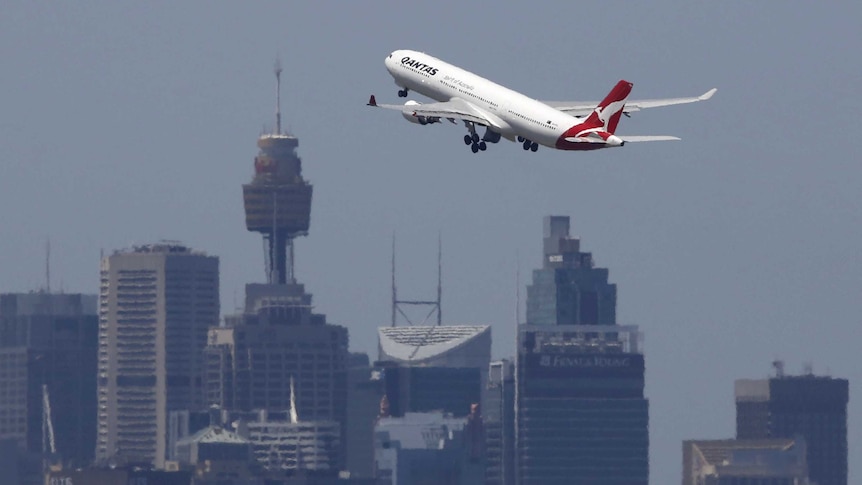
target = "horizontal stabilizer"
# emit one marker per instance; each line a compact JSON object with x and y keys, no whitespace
{"x":635,"y":138}
{"x":373,"y":103}
{"x":585,"y":139}
{"x":453,"y":109}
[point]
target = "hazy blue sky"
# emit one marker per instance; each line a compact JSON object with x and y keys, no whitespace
{"x":129,"y":122}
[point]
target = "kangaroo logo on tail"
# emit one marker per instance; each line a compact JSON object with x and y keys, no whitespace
{"x":607,"y":114}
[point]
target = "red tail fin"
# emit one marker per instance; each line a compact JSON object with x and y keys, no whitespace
{"x":607,"y":113}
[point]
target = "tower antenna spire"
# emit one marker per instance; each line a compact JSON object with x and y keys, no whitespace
{"x":48,"y":266}
{"x":517,"y":289}
{"x":439,"y":278}
{"x":278,"y":96}
{"x":394,"y":294}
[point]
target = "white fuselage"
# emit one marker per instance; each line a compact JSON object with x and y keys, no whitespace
{"x":511,"y":112}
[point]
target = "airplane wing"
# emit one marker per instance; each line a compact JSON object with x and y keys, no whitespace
{"x":583,"y":108}
{"x":455,"y":108}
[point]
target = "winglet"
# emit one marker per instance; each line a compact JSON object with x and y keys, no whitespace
{"x":707,"y":95}
{"x":372,"y":101}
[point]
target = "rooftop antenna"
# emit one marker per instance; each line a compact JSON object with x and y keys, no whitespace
{"x":48,"y":266}
{"x":278,"y":96}
{"x":434,"y":304}
{"x":394,"y":293}
{"x":439,"y":278}
{"x":517,"y":289}
{"x":779,"y":368}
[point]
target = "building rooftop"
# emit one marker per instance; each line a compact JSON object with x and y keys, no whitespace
{"x":420,"y":430}
{"x":172,"y":247}
{"x":718,"y":452}
{"x":215,"y":434}
{"x":424,"y":341}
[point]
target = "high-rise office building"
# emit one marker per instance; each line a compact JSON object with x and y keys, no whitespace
{"x":499,"y":414}
{"x":156,"y":305}
{"x":581,"y":412}
{"x":434,"y":367}
{"x":813,"y":407}
{"x":433,"y":448}
{"x":569,"y":289}
{"x":364,"y":392}
{"x":48,"y":354}
{"x":252,"y":359}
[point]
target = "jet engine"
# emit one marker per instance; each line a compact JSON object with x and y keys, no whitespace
{"x":409,"y":114}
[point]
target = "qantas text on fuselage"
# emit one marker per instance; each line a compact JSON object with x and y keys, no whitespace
{"x":479,"y":102}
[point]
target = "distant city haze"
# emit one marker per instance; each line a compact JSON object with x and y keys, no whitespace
{"x":125,"y":124}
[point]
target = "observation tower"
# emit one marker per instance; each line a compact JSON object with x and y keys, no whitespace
{"x":278,"y":200}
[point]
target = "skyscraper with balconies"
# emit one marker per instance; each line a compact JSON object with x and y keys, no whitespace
{"x":581,"y":413}
{"x":156,"y":304}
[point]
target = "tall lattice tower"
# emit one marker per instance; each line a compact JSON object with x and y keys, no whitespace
{"x":278,"y":199}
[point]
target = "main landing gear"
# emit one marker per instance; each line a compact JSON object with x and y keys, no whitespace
{"x":475,"y":143}
{"x":527,"y":144}
{"x":402,"y":93}
{"x":472,"y":139}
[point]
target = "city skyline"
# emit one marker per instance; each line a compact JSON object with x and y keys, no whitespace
{"x":735,"y":246}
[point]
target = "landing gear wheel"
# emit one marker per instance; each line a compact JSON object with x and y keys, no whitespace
{"x":475,"y":138}
{"x":468,"y":139}
{"x":402,"y":93}
{"x":474,"y":147}
{"x":527,"y":144}
{"x":483,"y":146}
{"x":534,"y":146}
{"x":520,"y":139}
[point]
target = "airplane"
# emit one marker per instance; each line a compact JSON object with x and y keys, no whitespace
{"x":462,"y":95}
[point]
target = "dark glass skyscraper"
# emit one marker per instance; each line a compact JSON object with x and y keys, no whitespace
{"x":787,"y":406}
{"x":569,"y":289}
{"x":581,"y":412}
{"x":499,"y":417}
{"x":49,"y":339}
{"x":253,"y":358}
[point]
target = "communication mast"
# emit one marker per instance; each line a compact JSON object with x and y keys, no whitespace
{"x":278,"y":96}
{"x":435,"y":305}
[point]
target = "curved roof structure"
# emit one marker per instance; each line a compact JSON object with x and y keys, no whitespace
{"x":416,"y":344}
{"x":215,"y":434}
